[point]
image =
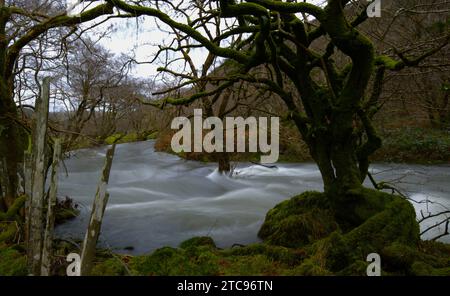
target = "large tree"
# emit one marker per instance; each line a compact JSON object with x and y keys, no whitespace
{"x":334,"y":114}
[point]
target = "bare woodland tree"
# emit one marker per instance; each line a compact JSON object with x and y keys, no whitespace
{"x":21,"y":24}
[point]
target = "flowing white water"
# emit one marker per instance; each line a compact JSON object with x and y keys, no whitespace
{"x":157,"y":199}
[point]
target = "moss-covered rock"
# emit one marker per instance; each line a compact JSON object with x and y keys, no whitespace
{"x":299,"y":221}
{"x":197,"y":242}
{"x":66,"y":209}
{"x":358,"y":205}
{"x":333,"y":252}
{"x":336,"y":233}
{"x":287,"y":256}
{"x":171,"y":261}
{"x":398,"y":256}
{"x":396,"y":223}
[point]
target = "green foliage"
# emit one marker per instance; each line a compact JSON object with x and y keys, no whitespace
{"x":152,"y":136}
{"x":197,"y":242}
{"x":415,"y":145}
{"x":113,"y":139}
{"x":109,"y":267}
{"x":121,"y":138}
{"x":12,"y":262}
{"x":199,"y":256}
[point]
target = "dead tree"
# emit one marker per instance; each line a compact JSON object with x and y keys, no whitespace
{"x":35,"y":242}
{"x":95,"y":222}
{"x":50,"y":224}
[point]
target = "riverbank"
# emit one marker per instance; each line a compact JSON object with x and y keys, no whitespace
{"x":138,"y":192}
{"x":409,"y":145}
{"x":295,"y":243}
{"x":400,"y":145}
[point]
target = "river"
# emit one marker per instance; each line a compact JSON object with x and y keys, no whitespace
{"x":158,"y":199}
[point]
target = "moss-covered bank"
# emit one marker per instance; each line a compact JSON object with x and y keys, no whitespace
{"x":305,"y":235}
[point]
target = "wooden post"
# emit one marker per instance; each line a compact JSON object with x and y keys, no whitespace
{"x":50,"y":225}
{"x":27,"y":171}
{"x":98,"y":210}
{"x":38,"y":186}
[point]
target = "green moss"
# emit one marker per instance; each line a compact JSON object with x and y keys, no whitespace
{"x":298,"y":221}
{"x":12,"y":262}
{"x":198,"y":241}
{"x":310,"y":267}
{"x":388,"y":62}
{"x":399,"y":257}
{"x":422,"y":269}
{"x":397,"y":223}
{"x":287,"y":256}
{"x":249,"y":266}
{"x":417,"y":145}
{"x":371,"y":221}
{"x":359,"y":205}
{"x":113,"y":139}
{"x":14,"y":209}
{"x":333,"y":252}
{"x":152,"y":136}
{"x":121,"y":138}
{"x":170,"y":261}
{"x":356,"y":268}
{"x":131,"y":137}
{"x":109,"y":267}
{"x":8,"y":232}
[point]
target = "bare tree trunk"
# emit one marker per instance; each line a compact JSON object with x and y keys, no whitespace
{"x":48,"y":236}
{"x":95,"y":222}
{"x":38,"y":186}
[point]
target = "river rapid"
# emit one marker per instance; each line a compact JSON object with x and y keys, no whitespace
{"x":158,"y":199}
